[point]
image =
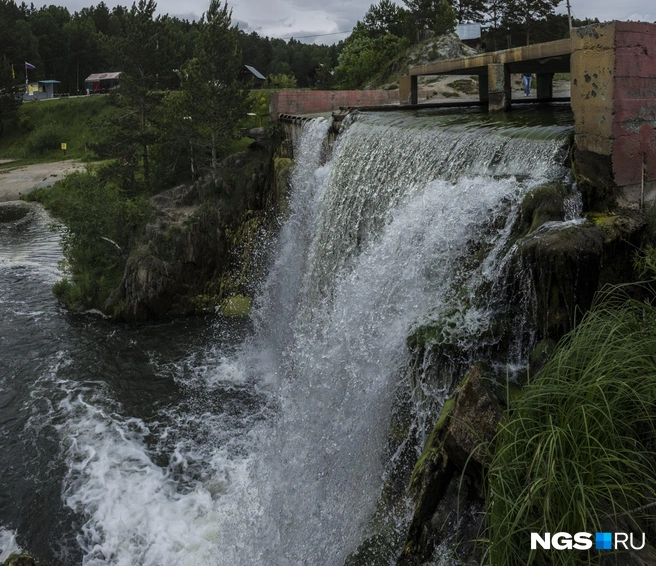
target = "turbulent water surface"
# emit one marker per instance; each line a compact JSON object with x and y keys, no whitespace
{"x":210,"y":441}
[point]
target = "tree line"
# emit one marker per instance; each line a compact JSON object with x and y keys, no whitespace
{"x":68,"y":47}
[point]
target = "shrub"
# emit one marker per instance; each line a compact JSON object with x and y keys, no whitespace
{"x":101,"y":222}
{"x":45,"y":138}
{"x":575,"y":452}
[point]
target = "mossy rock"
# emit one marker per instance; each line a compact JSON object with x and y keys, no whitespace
{"x":379,"y":549}
{"x":21,"y":559}
{"x":282,"y":167}
{"x":543,"y":204}
{"x":236,"y":306}
{"x":432,"y":454}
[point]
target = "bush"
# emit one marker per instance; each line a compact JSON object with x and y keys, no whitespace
{"x":363,"y":57}
{"x":45,"y":138}
{"x":575,"y":452}
{"x":101,"y":224}
{"x":282,"y":80}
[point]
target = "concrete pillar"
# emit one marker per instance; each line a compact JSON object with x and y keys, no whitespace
{"x":483,"y":89}
{"x":499,"y":87}
{"x":404,"y":89}
{"x":545,"y":86}
{"x":414,"y":90}
{"x":614,"y":105}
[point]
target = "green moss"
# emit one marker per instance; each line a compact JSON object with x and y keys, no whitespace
{"x":282,"y":170}
{"x":541,"y":205}
{"x":21,"y":559}
{"x":433,"y":448}
{"x":237,"y":306}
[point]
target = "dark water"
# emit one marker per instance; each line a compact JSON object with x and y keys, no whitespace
{"x":210,"y":441}
{"x":53,"y":365}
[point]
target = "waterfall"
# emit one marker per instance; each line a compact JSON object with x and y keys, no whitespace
{"x":279,"y":448}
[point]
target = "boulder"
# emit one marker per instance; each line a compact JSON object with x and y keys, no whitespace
{"x":474,"y":422}
{"x":459,"y":441}
{"x":13,"y":210}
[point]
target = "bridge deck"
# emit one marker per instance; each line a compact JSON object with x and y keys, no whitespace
{"x":551,"y":57}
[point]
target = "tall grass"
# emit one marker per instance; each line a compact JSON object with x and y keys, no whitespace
{"x":43,"y":126}
{"x":575,"y":452}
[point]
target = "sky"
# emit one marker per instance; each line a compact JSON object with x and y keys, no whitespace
{"x":312,"y":20}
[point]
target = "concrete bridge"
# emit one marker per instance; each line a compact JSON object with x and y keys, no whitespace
{"x":613,"y":98}
{"x":494,"y":71}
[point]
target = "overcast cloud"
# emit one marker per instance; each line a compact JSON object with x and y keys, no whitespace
{"x":312,"y":20}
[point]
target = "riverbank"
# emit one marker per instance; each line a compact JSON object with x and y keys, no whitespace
{"x":21,"y":180}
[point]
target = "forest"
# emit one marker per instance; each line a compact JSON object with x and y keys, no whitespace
{"x":70,"y":46}
{"x":182,"y":106}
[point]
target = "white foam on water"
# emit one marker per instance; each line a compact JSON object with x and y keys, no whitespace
{"x":274,"y":457}
{"x":8,"y":544}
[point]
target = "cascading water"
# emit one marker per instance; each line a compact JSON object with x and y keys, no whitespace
{"x":271,"y":445}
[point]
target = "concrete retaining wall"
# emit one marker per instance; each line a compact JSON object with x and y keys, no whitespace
{"x":614,"y":102}
{"x":298,"y":102}
{"x":634,"y":119}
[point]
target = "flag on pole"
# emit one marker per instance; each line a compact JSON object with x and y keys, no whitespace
{"x":29,"y":66}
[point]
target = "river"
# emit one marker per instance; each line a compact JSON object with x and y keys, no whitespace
{"x":229,"y":442}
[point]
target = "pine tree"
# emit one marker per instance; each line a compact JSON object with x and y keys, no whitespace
{"x":216,"y":100}
{"x":494,"y":11}
{"x":528,"y":12}
{"x":469,"y":10}
{"x":9,"y":93}
{"x":445,"y":18}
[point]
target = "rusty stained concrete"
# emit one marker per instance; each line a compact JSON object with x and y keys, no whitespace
{"x":613,"y":94}
{"x":550,"y":57}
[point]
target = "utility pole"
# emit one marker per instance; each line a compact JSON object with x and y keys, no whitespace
{"x":569,"y":15}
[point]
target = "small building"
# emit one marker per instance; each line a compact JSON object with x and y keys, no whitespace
{"x":100,"y":83}
{"x":249,"y":74}
{"x":41,"y":90}
{"x":469,"y":34}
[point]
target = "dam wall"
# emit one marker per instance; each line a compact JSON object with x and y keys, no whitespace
{"x":613,"y":69}
{"x":299,"y":102}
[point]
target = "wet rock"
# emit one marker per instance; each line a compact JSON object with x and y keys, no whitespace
{"x":236,"y":306}
{"x":540,"y":355}
{"x":459,"y":441}
{"x":20,"y":560}
{"x":594,"y":176}
{"x":569,"y":263}
{"x":543,"y":204}
{"x":476,"y":415}
{"x":13,"y":210}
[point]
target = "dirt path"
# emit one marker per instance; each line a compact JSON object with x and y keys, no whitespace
{"x":14,"y":182}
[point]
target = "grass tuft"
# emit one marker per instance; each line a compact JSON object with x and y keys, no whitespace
{"x":574,"y":452}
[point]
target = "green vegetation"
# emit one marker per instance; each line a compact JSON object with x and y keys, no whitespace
{"x":9,"y":95}
{"x":364,"y":56}
{"x":574,"y":451}
{"x":42,"y":127}
{"x":102,"y":222}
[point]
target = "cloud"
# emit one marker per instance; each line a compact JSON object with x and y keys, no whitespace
{"x":641,"y":18}
{"x":189,"y":16}
{"x":286,"y":18}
